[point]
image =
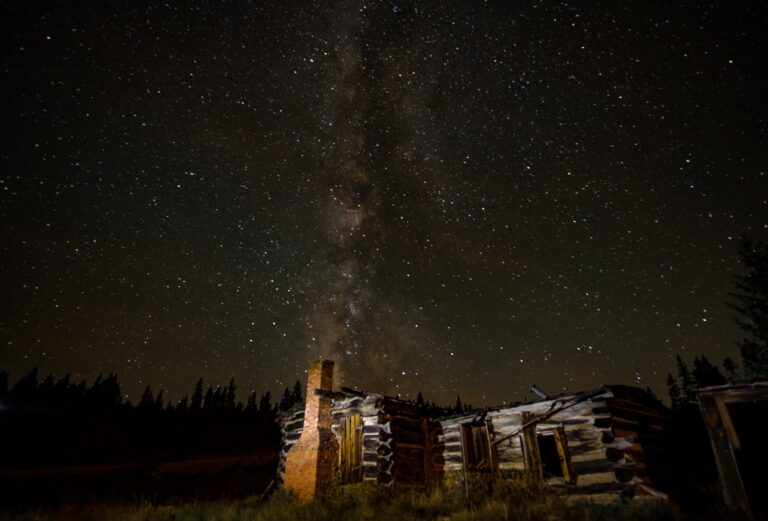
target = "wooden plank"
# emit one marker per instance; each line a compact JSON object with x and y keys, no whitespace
{"x":588,"y":456}
{"x":512,"y":465}
{"x":593,"y":466}
{"x":531,"y":445}
{"x":596,"y":478}
{"x":562,"y":452}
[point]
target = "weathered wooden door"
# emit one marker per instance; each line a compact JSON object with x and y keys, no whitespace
{"x":479,"y":453}
{"x":351,"y":449}
{"x":479,"y":457}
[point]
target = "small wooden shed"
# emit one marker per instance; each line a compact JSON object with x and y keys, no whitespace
{"x":737,"y":420}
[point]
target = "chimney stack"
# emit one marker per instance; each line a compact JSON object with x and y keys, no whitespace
{"x":309,"y":463}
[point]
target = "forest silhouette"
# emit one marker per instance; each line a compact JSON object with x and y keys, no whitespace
{"x":57,"y":422}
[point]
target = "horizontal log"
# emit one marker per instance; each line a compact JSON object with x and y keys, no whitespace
{"x":585,"y":447}
{"x":404,"y":423}
{"x":370,"y":456}
{"x":593,"y":466}
{"x":582,"y":434}
{"x":512,"y":465}
{"x":556,"y":422}
{"x":412,"y":446}
{"x":453,"y":458}
{"x":602,"y":421}
{"x":596,"y":478}
{"x":452,"y":437}
{"x":408,"y":437}
{"x":588,"y":456}
{"x":595,"y":488}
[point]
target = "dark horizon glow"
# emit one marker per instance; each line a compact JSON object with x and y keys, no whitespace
{"x":446,"y":197}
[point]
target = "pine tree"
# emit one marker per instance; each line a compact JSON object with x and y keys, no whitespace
{"x":458,"y":408}
{"x":686,"y":379}
{"x":25,"y":390}
{"x":752,"y":308}
{"x":705,"y":373}
{"x":218,"y":398}
{"x":197,"y":396}
{"x":297,"y":395}
{"x":675,"y":397}
{"x":147,"y":398}
{"x":208,"y":400}
{"x":159,"y":400}
{"x":251,"y":405}
{"x":265,"y":402}
{"x":731,"y":370}
{"x":3,"y":383}
{"x":420,"y":399}
{"x":111,"y":396}
{"x":229,"y":398}
{"x":286,"y":402}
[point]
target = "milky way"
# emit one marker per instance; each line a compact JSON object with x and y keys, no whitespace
{"x":452,"y":197}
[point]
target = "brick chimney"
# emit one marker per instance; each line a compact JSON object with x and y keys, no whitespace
{"x":309,"y":463}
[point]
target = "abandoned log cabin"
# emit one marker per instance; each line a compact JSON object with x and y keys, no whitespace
{"x":600,"y":444}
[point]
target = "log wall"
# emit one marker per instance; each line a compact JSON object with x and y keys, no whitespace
{"x":608,"y":437}
{"x":376,"y":439}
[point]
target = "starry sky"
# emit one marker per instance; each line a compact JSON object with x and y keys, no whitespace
{"x":452,"y":197}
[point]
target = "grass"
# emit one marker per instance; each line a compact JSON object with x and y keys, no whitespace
{"x":522,"y":500}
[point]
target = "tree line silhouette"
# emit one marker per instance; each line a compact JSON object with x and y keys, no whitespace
{"x":57,"y":422}
{"x":687,"y":434}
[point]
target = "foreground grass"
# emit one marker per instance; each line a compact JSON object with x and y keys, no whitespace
{"x":524,"y":501}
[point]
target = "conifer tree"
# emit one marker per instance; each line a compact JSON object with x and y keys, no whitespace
{"x":297,"y":395}
{"x":159,"y":400}
{"x":229,"y":394}
{"x":147,"y":398}
{"x":3,"y":383}
{"x":250,"y":406}
{"x":420,"y":399}
{"x":705,"y":373}
{"x":687,"y":382}
{"x":218,"y":397}
{"x":674,"y":392}
{"x":752,"y":308}
{"x":458,"y":408}
{"x":731,"y":370}
{"x":208,"y":400}
{"x":25,"y":389}
{"x":265,"y":402}
{"x":197,"y":396}
{"x":286,"y":402}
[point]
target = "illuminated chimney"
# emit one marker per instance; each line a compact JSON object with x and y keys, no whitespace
{"x":309,"y":463}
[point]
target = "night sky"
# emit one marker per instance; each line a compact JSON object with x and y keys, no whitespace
{"x":452,"y":197}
